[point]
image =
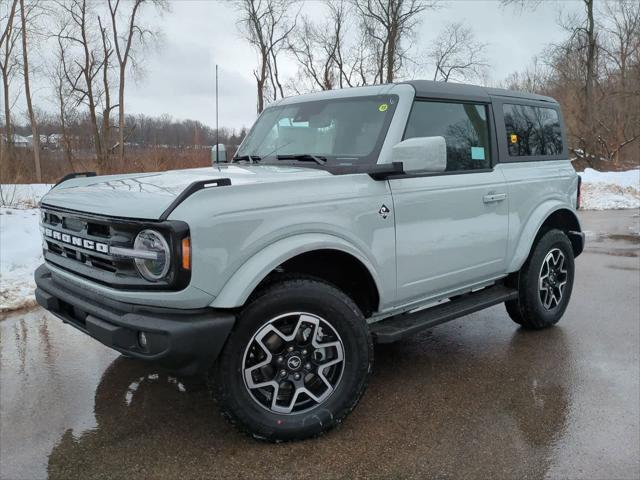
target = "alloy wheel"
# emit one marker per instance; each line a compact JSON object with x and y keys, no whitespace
{"x":293,"y":363}
{"x":552,"y":279}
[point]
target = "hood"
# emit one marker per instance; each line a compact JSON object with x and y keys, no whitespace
{"x":148,"y":195}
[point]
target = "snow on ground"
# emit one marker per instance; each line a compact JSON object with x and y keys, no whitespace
{"x":22,"y":196}
{"x":20,"y":254}
{"x":610,"y":190}
{"x":21,"y":247}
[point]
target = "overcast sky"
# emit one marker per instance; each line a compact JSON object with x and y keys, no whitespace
{"x":179,"y":78}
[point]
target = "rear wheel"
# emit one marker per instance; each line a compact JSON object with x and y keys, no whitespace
{"x":545,"y":282}
{"x":297,"y":362}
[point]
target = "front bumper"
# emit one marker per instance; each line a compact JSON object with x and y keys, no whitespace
{"x":185,"y":341}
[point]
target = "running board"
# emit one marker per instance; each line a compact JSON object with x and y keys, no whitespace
{"x":401,"y":326}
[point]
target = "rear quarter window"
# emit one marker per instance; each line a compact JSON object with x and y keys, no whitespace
{"x":532,"y":131}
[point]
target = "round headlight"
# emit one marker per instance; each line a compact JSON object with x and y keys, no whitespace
{"x":157,"y":266}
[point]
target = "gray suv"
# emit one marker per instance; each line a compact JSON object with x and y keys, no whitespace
{"x":346,"y":218}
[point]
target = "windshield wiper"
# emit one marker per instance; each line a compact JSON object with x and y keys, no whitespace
{"x":247,"y":158}
{"x":304,"y":157}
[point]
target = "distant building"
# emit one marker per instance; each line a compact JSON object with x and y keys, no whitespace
{"x":51,"y":141}
{"x":18,"y":140}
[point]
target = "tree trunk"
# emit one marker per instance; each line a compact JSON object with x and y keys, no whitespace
{"x":391,"y":53}
{"x":121,"y":115}
{"x":6,"y":147}
{"x":590,"y":73}
{"x":27,"y":92}
{"x":65,"y":135}
{"x":7,"y":109}
{"x":260,"y":84}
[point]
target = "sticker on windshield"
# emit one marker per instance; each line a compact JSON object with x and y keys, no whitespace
{"x":383,"y":107}
{"x":477,"y":153}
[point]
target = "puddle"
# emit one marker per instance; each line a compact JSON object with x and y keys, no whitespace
{"x":620,"y":267}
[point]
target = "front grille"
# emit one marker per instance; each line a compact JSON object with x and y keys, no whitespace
{"x":80,"y":243}
{"x":65,"y":235}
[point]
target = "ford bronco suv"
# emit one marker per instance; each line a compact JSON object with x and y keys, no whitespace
{"x":346,"y":218}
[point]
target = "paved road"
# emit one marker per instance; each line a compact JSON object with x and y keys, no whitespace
{"x":475,"y":398}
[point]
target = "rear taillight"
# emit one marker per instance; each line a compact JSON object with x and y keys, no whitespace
{"x":579,"y":198}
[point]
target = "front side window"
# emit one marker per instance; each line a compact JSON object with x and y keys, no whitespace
{"x":464,"y":127}
{"x":343,"y":131}
{"x":532,"y":131}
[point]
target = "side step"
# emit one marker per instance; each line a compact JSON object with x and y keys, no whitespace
{"x":400,"y":326}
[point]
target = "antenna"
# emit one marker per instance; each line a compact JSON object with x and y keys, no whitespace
{"x":217,"y":127}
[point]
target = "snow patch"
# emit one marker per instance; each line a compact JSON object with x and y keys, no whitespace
{"x":20,"y":255}
{"x":22,"y":195}
{"x":610,"y":190}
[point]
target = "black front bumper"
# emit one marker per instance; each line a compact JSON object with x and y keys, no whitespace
{"x":185,"y":341}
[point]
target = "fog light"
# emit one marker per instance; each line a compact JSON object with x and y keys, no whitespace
{"x":142,"y":340}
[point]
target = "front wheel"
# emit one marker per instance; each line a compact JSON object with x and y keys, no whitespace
{"x":297,"y":362}
{"x":545,"y":282}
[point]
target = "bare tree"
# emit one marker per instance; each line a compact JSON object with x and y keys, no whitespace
{"x":266,"y":25}
{"x":595,"y":74}
{"x":533,"y":79}
{"x":62,"y":94}
{"x":621,"y":48}
{"x":107,"y":106}
{"x":317,"y":48}
{"x":124,"y":45}
{"x":314,"y":53}
{"x":82,"y":63}
{"x":583,"y":41}
{"x":8,"y":62}
{"x":330,"y":54}
{"x":390,"y":24}
{"x":27,"y":91}
{"x":456,"y":54}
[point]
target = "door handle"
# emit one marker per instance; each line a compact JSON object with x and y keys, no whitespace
{"x":494,"y":197}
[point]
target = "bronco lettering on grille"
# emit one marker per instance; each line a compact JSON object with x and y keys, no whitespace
{"x":76,"y":241}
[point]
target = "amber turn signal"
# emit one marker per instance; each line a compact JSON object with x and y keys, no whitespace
{"x":186,"y":253}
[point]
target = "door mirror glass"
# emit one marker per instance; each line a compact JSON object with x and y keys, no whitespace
{"x":425,"y":154}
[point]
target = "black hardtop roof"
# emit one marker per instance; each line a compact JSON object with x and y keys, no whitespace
{"x":430,"y":89}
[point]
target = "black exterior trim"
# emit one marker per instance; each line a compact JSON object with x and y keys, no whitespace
{"x":190,"y":190}
{"x":577,"y":242}
{"x":406,"y":324}
{"x":377,"y":171}
{"x":186,"y":341}
{"x":436,"y":174}
{"x":70,"y":176}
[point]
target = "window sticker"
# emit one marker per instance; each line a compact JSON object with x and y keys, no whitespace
{"x":477,"y":153}
{"x":514,"y":138}
{"x":383,"y":107}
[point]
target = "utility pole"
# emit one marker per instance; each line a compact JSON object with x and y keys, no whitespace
{"x":217,"y":126}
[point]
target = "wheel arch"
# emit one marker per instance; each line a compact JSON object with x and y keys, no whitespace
{"x":545,"y":218}
{"x":324,"y":256}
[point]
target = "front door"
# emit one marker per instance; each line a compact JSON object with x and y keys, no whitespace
{"x":451,"y":227}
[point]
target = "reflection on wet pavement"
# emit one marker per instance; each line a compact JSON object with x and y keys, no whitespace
{"x":475,"y":398}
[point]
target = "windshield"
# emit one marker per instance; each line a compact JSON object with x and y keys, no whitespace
{"x":342,"y":131}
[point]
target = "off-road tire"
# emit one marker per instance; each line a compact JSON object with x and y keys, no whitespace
{"x":528,"y":309}
{"x":315,"y":297}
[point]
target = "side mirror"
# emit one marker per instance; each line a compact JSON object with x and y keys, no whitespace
{"x":427,"y":154}
{"x":220,"y":148}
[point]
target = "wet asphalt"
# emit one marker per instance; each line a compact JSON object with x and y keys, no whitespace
{"x":475,"y":398}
